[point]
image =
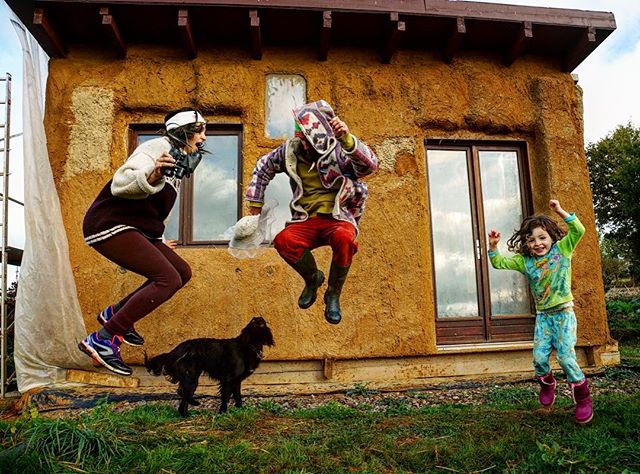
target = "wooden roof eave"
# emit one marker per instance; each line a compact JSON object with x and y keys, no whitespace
{"x":587,"y":29}
{"x":444,"y":8}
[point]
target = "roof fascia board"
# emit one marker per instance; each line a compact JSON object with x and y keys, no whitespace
{"x":467,"y":9}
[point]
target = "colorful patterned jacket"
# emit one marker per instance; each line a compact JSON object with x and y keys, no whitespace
{"x":336,"y":165}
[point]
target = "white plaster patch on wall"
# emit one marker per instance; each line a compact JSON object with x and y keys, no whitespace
{"x":389,"y":149}
{"x":90,"y":137}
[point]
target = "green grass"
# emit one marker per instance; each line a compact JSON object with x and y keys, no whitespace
{"x":507,"y":434}
{"x":624,"y":318}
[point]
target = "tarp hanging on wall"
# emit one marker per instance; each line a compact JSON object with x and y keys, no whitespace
{"x":48,"y":319}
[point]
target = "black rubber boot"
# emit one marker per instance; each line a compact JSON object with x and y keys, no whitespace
{"x":313,"y":279}
{"x":337,"y":277}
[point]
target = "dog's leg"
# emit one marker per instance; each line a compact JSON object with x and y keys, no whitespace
{"x":225,"y":394}
{"x":237,"y":395}
{"x":183,"y":408}
{"x":196,"y":379}
{"x":186,"y":389}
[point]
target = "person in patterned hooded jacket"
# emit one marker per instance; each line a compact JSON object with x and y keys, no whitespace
{"x":325,"y":164}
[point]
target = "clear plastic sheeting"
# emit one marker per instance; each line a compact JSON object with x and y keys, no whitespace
{"x":251,"y":235}
{"x":48,"y":322}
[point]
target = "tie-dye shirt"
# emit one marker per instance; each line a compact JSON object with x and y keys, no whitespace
{"x":550,"y":275}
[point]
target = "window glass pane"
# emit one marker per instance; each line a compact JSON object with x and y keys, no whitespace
{"x":451,"y":222}
{"x":215,"y":195}
{"x":280,"y":190}
{"x":284,"y":93}
{"x":171,"y":231}
{"x":171,"y":225}
{"x":502,"y":204}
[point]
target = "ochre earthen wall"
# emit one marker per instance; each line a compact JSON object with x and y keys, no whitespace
{"x":388,"y":300}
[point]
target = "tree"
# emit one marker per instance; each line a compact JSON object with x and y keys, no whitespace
{"x":614,"y":165}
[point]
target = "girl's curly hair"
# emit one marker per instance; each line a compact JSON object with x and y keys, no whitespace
{"x":518,"y":241}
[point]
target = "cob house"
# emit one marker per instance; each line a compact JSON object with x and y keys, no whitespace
{"x":471,"y":108}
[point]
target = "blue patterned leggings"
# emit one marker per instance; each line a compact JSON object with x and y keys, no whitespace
{"x":556,"y":331}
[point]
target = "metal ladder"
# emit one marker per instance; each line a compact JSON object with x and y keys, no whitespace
{"x":5,"y":146}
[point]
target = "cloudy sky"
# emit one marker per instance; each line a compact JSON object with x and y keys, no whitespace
{"x":609,"y":77}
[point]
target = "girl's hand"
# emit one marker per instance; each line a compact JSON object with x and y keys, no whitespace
{"x":554,"y":205}
{"x":339,"y":127}
{"x":494,"y":238}
{"x":165,"y":161}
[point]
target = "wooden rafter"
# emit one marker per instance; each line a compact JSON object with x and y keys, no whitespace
{"x":41,"y":21}
{"x":256,"y":41}
{"x":458,"y":31}
{"x":111,"y":28}
{"x":186,"y":33}
{"x":396,"y":31}
{"x":520,"y":43}
{"x":573,"y":40}
{"x":325,"y":35}
{"x":581,"y":50}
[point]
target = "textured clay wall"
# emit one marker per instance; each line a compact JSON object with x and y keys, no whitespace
{"x":388,"y":300}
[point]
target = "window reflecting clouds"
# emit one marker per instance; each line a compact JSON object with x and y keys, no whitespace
{"x":453,"y":244}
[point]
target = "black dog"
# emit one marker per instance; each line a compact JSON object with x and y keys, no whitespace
{"x":229,"y":361}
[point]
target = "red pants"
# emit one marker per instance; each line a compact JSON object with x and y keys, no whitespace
{"x":315,"y":232}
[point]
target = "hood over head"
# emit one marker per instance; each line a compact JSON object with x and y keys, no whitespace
{"x":313,"y":121}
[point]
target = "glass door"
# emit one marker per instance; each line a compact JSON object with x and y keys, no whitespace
{"x":473,"y":189}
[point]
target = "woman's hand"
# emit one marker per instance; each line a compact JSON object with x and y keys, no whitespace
{"x":165,"y":161}
{"x":494,"y":238}
{"x":554,"y":205}
{"x":339,"y":127}
{"x":172,"y":244}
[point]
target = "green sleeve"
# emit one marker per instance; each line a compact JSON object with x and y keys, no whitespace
{"x":506,"y":263}
{"x":348,"y":142}
{"x":568,"y":243}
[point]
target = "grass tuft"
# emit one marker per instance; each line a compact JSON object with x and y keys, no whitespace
{"x":511,"y":395}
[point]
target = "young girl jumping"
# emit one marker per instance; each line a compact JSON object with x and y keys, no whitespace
{"x":543,"y":255}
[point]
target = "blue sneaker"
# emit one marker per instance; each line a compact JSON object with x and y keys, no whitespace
{"x":131,"y":337}
{"x":106,"y":352}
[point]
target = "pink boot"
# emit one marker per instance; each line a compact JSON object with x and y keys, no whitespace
{"x":584,"y":404}
{"x":547,"y":390}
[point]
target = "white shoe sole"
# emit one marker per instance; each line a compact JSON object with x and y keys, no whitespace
{"x":90,"y":351}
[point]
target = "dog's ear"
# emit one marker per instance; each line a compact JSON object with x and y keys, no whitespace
{"x":259,"y":321}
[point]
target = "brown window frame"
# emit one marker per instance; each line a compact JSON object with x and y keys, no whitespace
{"x":185,"y":224}
{"x":485,"y":327}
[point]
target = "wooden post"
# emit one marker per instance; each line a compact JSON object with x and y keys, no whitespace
{"x":325,"y":34}
{"x":41,"y":20}
{"x":186,"y":33}
{"x":256,"y":42}
{"x":584,"y":47}
{"x":111,"y":27}
{"x":455,"y":40}
{"x":520,"y":44}
{"x":396,"y":32}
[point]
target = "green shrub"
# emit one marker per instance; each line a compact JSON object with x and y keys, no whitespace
{"x":624,"y":318}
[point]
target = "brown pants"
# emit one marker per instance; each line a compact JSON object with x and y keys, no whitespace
{"x":165,"y":271}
